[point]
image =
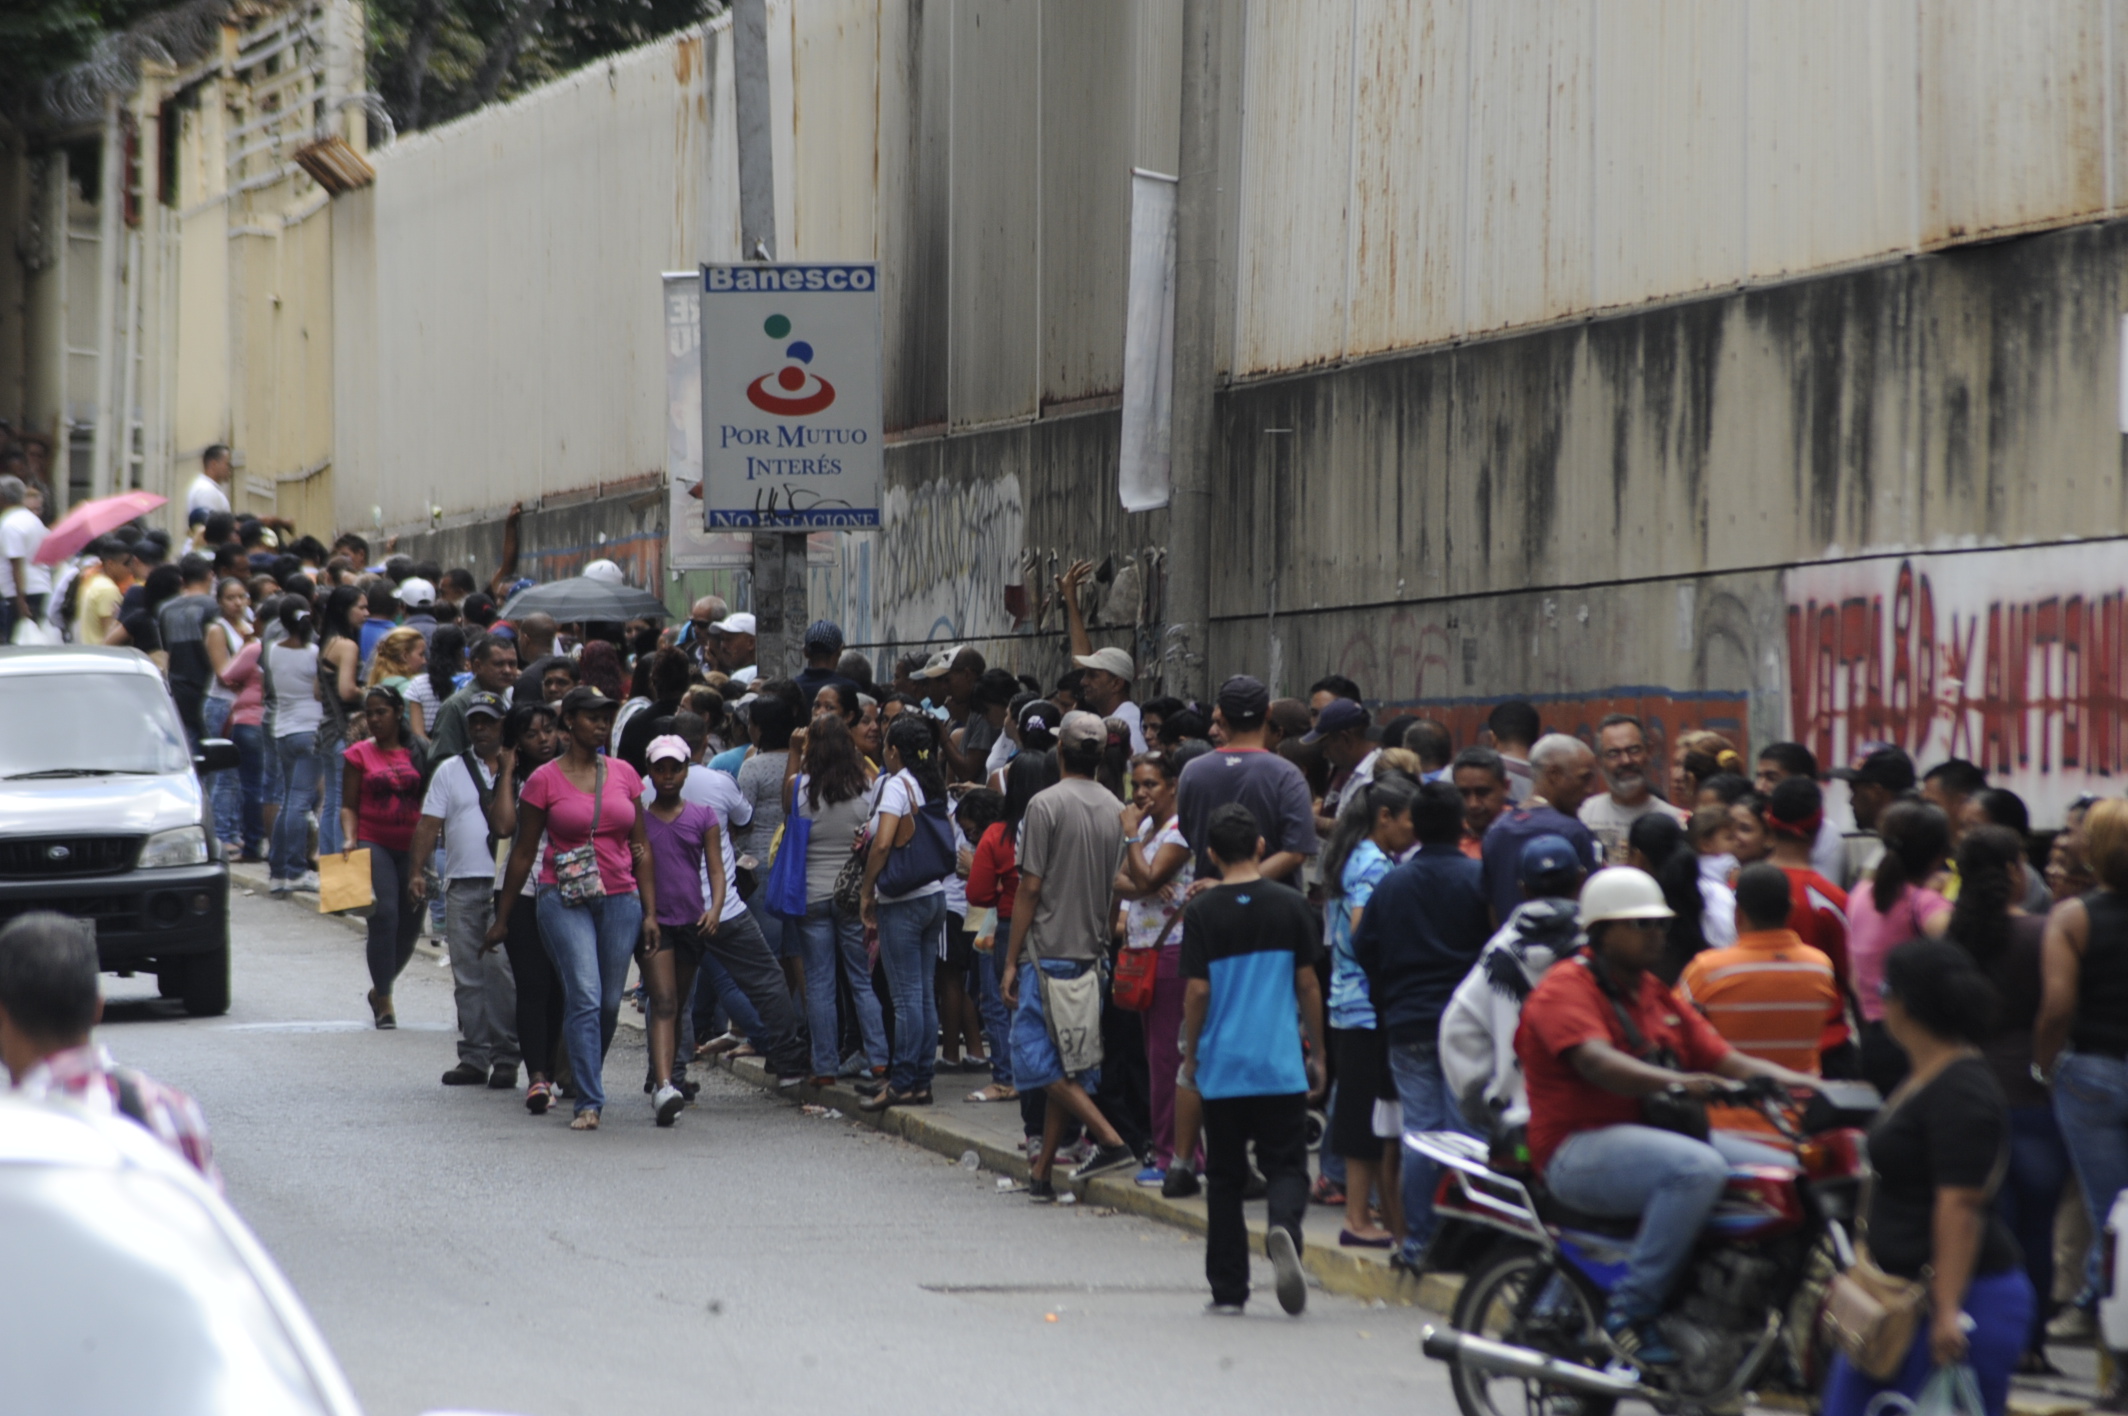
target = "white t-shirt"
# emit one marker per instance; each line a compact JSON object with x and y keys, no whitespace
{"x":1145,"y":919}
{"x":722,"y":795}
{"x":1128,"y":712}
{"x":21,"y":533}
{"x":206,"y":495}
{"x":1610,"y":823}
{"x":455,"y":801}
{"x":900,"y":796}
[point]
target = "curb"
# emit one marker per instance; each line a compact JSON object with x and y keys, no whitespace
{"x":254,"y":878}
{"x":1348,"y":1273}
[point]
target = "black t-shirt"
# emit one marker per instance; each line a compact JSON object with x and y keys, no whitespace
{"x":1954,"y":1132}
{"x":141,"y":628}
{"x":635,"y":738}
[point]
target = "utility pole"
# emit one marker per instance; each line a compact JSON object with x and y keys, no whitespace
{"x":779,"y":556}
{"x":1195,"y":434}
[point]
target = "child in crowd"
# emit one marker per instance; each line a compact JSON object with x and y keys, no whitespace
{"x":684,"y":839}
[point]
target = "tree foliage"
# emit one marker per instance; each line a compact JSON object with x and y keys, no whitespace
{"x":41,"y":39}
{"x":432,"y":60}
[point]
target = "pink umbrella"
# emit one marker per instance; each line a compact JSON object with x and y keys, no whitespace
{"x":91,"y":519}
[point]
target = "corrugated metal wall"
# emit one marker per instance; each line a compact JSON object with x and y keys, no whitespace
{"x":510,"y":310}
{"x":1421,"y":171}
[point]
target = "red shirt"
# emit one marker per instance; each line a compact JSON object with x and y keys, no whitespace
{"x":1817,"y":912}
{"x":390,"y":804}
{"x":994,"y":870}
{"x":1568,"y":1009}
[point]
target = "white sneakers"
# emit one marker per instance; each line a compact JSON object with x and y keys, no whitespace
{"x":670,"y":1102}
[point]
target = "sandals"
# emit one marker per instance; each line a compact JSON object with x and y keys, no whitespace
{"x":1326,"y":1192}
{"x":380,"y":1011}
{"x":996,"y":1091}
{"x":585,"y":1120}
{"x":885,"y":1098}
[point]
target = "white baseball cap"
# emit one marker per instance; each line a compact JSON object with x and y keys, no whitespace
{"x":1110,"y":660}
{"x":740,"y":623}
{"x":414,"y":592}
{"x":605,"y":572}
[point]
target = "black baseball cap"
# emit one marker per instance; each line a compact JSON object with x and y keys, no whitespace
{"x":1887,"y":767}
{"x":1244,"y":699}
{"x":584,"y":696}
{"x":489,"y":703}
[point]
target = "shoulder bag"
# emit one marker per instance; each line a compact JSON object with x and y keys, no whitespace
{"x":783,"y":895}
{"x":1138,"y":969}
{"x":925,"y":858}
{"x":576,"y":872}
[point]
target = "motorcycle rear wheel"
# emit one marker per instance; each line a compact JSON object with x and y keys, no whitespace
{"x":1497,"y":1303}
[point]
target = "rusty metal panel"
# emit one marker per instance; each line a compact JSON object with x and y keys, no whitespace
{"x":1669,"y":149}
{"x":1294,"y":241}
{"x":1087,"y":140}
{"x":1834,"y":139}
{"x":2013,"y":101}
{"x":1526,"y":221}
{"x":997,"y":210}
{"x":1406,"y":253}
{"x":835,"y":91}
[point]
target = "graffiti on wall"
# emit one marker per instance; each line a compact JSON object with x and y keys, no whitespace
{"x":2011,"y":659}
{"x":946,"y":553}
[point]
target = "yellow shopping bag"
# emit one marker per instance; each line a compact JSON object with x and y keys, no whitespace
{"x":343,"y":882}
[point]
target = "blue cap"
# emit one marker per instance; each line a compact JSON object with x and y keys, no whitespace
{"x":824,"y":634}
{"x":1338,"y":715}
{"x":1547,"y":855}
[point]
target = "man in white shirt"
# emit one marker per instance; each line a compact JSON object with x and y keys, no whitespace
{"x":24,"y":585}
{"x":210,"y":490}
{"x":1622,"y":749}
{"x":457,"y":804}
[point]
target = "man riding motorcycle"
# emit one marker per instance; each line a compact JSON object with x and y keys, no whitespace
{"x":1616,"y":1069}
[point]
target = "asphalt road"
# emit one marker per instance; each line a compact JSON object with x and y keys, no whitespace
{"x":460,"y":1253}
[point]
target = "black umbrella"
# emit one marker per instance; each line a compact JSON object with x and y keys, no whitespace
{"x":580,"y":600}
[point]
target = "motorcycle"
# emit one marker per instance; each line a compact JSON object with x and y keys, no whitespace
{"x":1526,"y":1337}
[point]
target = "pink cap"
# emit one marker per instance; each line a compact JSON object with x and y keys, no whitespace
{"x":667,"y":749}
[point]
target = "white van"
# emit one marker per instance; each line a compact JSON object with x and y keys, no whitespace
{"x":102,"y":816}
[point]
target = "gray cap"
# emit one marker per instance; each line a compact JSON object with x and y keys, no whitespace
{"x":1081,"y":727}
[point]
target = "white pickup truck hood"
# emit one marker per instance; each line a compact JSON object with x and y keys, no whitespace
{"x":98,"y":806}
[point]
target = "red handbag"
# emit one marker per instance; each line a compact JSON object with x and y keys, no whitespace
{"x":1137,"y":970}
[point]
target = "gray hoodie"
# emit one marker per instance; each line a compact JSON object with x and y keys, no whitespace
{"x":1478,"y":1026}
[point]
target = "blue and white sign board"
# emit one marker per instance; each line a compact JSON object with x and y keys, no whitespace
{"x":791,"y":404}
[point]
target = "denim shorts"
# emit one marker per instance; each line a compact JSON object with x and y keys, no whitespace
{"x":1035,"y":1063}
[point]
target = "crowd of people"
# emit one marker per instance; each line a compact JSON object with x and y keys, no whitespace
{"x":1165,"y":930}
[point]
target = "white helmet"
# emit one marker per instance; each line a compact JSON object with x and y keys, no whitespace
{"x":1622,"y":892}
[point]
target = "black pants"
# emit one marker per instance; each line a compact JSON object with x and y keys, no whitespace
{"x":1279,"y":1126}
{"x":395,"y":919}
{"x":539,"y":992}
{"x":1125,"y":1097}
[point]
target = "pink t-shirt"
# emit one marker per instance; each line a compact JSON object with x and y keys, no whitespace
{"x":242,"y":674}
{"x":1871,"y":936}
{"x":569,"y":820}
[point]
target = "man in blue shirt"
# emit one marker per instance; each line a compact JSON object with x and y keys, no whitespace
{"x":1248,"y":958}
{"x":1563,"y":776}
{"x":1422,"y":931}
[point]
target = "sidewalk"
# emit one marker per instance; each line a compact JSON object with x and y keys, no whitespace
{"x":954,"y":1126}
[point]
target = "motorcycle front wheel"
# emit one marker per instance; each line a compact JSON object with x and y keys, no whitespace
{"x":1514,"y":1295}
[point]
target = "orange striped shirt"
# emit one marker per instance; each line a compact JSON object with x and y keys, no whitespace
{"x":1769,"y":994}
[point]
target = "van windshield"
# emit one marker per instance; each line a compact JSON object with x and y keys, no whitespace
{"x":74,"y":725}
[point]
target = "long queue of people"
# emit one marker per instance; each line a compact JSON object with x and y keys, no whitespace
{"x":1154,"y":927}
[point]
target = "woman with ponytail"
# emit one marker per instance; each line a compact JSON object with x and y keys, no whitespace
{"x":908,"y":923}
{"x":292,"y":666}
{"x":1989,"y":923}
{"x":1893,"y":908}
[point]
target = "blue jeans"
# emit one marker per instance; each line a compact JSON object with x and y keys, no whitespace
{"x":590,"y":945}
{"x":997,"y":1019}
{"x":2002,"y":1307}
{"x":908,"y":951}
{"x":831,"y":935}
{"x":2091,"y":1102}
{"x":299,"y":794}
{"x":1670,"y":1181}
{"x":331,"y":770}
{"x":2030,"y":1196}
{"x":1428,"y":1106}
